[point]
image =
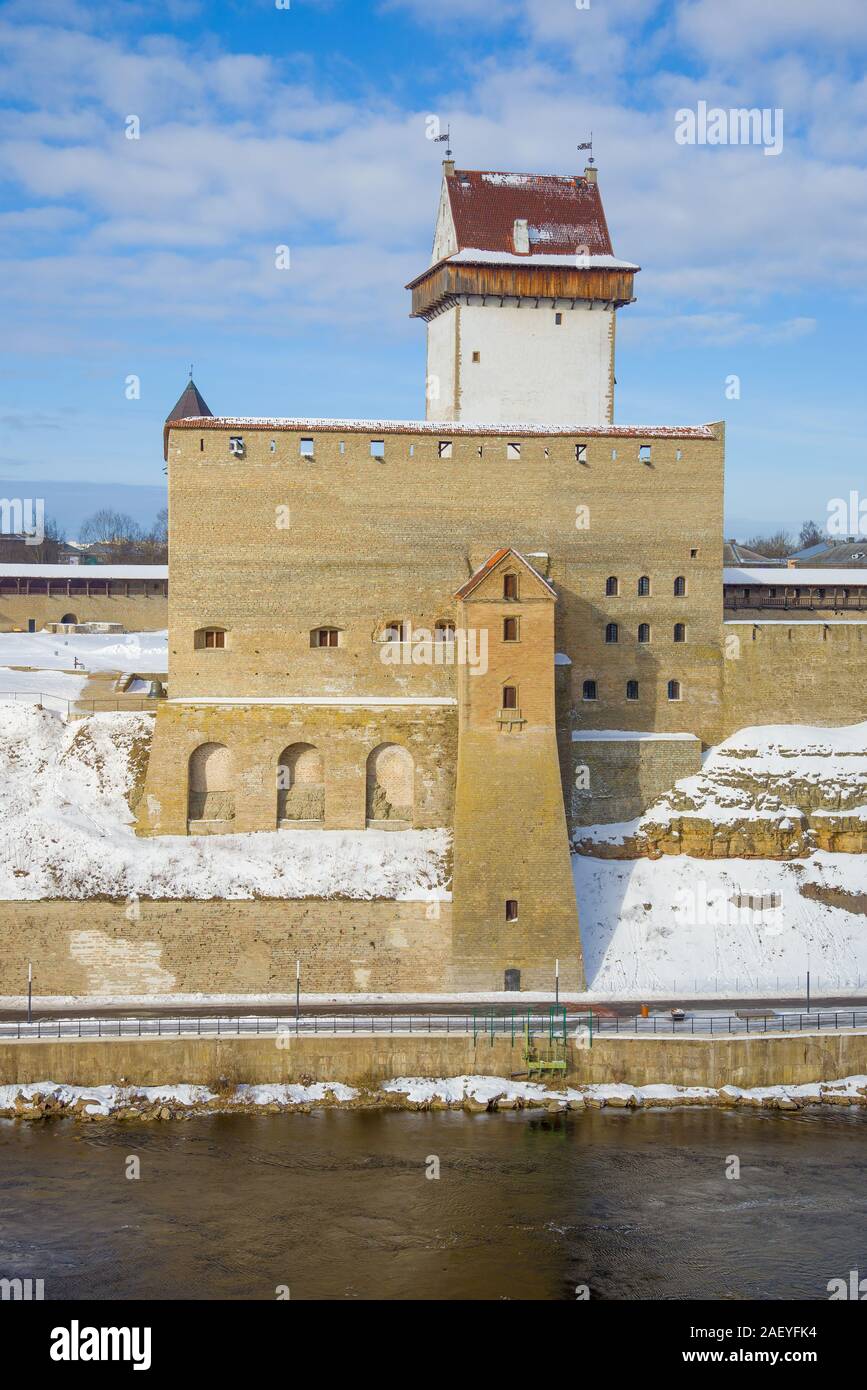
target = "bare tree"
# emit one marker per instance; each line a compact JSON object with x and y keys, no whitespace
{"x":811,"y":534}
{"x":775,"y":547}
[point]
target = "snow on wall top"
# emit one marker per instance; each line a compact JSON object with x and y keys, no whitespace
{"x":84,"y":571}
{"x":777,"y":577}
{"x":474,"y":255}
{"x":446,"y":428}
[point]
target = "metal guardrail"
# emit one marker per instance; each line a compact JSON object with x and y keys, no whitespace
{"x":94,"y":705}
{"x":482,"y":1024}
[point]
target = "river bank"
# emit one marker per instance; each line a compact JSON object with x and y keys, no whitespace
{"x":476,"y":1094}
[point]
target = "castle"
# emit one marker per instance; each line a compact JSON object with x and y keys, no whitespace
{"x":506,"y":619}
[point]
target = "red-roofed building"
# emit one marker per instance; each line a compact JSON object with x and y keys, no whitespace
{"x":519,"y":300}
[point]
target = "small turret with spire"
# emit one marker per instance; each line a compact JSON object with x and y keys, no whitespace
{"x":190,"y":404}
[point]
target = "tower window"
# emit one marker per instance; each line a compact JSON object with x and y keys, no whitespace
{"x":510,"y":586}
{"x":513,"y":451}
{"x":693,"y":554}
{"x":588,"y":690}
{"x":306,"y":448}
{"x":611,"y":632}
{"x":511,"y":909}
{"x":680,"y":632}
{"x":632,"y":690}
{"x":674,"y":690}
{"x":679,"y":586}
{"x":325,"y":637}
{"x":558,"y":319}
{"x":644,"y":632}
{"x":581,"y":453}
{"x":445,"y":449}
{"x":377,"y":448}
{"x":644,"y":453}
{"x":201,"y":446}
{"x":644,"y":586}
{"x":611,"y":586}
{"x":210,"y":638}
{"x":510,"y":629}
{"x":510,"y":697}
{"x":477,"y":357}
{"x":444,"y":631}
{"x":394,"y":631}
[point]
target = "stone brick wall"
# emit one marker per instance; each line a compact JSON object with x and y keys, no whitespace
{"x":272,"y":545}
{"x":794,"y":673}
{"x":138,"y":613}
{"x":257,"y":736}
{"x":224,"y":947}
{"x":618,"y":779}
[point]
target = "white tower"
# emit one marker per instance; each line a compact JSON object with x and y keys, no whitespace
{"x":520,"y":299}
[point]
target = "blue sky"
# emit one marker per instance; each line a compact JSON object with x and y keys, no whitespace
{"x":305,"y":126}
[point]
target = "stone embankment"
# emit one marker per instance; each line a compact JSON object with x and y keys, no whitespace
{"x":472,"y":1094}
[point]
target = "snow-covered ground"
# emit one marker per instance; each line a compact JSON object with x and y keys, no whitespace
{"x":66,"y":830}
{"x":40,"y":687}
{"x":680,"y":925}
{"x":47,"y":651}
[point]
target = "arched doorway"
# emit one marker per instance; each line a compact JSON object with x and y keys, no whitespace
{"x":390,"y":785}
{"x":211,"y":794}
{"x":300,"y":786}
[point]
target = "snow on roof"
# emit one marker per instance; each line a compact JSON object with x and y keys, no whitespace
{"x":562,"y":211}
{"x":775,"y":577}
{"x":475,"y":255}
{"x":84,"y":571}
{"x":624,"y":736}
{"x":443,"y":428}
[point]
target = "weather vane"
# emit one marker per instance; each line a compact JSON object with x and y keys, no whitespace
{"x":448,"y":139}
{"x":588,"y":145}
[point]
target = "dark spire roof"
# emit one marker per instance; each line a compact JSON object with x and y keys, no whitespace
{"x":190,"y":403}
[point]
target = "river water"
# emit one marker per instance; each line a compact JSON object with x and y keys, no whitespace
{"x":527,"y":1205}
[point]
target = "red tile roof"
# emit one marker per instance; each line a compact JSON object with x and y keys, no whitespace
{"x":563,"y":212}
{"x":491,"y":564}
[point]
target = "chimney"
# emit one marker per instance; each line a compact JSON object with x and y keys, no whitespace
{"x":449,"y":168}
{"x":590,"y":173}
{"x":521,"y":237}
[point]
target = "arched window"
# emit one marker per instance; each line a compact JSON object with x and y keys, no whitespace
{"x":644,"y":586}
{"x":644,"y":632}
{"x":510,"y":629}
{"x":325,"y":637}
{"x":390,"y":784}
{"x":679,"y":586}
{"x":211,"y":787}
{"x":300,"y":785}
{"x":611,"y":632}
{"x":69,"y":618}
{"x":632,"y":690}
{"x":588,"y":690}
{"x":674,"y":690}
{"x":611,"y":586}
{"x":680,"y":632}
{"x":209,"y":638}
{"x":444,"y":630}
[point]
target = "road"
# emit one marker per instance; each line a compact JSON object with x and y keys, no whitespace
{"x":610,"y":1008}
